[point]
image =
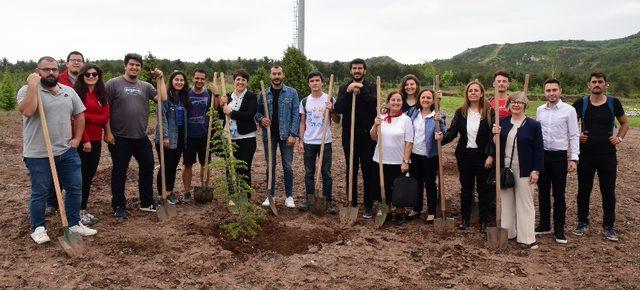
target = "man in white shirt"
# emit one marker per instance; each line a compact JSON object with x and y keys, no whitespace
{"x":559,"y":132}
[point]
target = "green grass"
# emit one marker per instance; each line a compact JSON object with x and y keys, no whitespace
{"x":451,"y":104}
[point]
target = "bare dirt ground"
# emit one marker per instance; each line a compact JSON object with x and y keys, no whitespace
{"x":300,"y":250}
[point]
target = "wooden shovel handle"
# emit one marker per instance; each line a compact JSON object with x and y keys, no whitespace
{"x":383,"y":194}
{"x":439,"y":146}
{"x":326,"y":125}
{"x":163,"y":186}
{"x":351,"y":141}
{"x":228,"y":133}
{"x":269,"y":144}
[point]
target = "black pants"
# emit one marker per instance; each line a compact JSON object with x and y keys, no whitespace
{"x":90,"y":161}
{"x":363,"y":149}
{"x":121,"y":154}
{"x":553,"y":179}
{"x":471,"y":169}
{"x":245,"y":151}
{"x":391,"y":172}
{"x":171,"y":161}
{"x":606,"y":166}
{"x":425,"y":170}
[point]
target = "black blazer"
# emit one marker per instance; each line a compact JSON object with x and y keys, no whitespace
{"x":459,"y":126}
{"x":244,"y":115}
{"x":529,"y":142}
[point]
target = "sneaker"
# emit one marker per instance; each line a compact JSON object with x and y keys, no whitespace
{"x":430,"y":219}
{"x":542,"y":230}
{"x":560,"y":238}
{"x":401,"y":218}
{"x":87,"y":218}
{"x":368,"y":213}
{"x":266,"y":202}
{"x":121,"y":212}
{"x":464,"y":225}
{"x":331,"y":209}
{"x":610,"y":233}
{"x":82,"y":230}
{"x":581,"y":229}
{"x":289,"y":202}
{"x":50,"y":211}
{"x":305,"y":205}
{"x":531,"y":246}
{"x":186,"y":198}
{"x":171,"y":198}
{"x":40,"y":235}
{"x":150,"y":208}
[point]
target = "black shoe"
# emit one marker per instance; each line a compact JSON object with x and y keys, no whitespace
{"x":531,"y":246}
{"x":304,"y":206}
{"x":171,"y":198}
{"x":368,"y":213}
{"x":483,"y":228}
{"x":540,"y":230}
{"x":401,"y":218}
{"x":186,"y":198}
{"x":121,"y":212}
{"x":331,"y":209}
{"x":464,"y":225}
{"x":610,"y":233}
{"x":560,"y":238}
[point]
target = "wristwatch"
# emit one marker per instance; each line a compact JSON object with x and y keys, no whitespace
{"x":620,"y":138}
{"x":406,"y":161}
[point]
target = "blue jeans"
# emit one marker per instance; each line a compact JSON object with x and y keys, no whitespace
{"x":70,"y":176}
{"x":287,"y":159}
{"x":311,"y":152}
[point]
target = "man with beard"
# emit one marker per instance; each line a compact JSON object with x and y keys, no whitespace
{"x":365,"y":94}
{"x":197,"y":126}
{"x":598,"y":152}
{"x":59,"y":103}
{"x":75,"y":61}
{"x":284,"y":120}
{"x":501,"y":85}
{"x":560,"y":132}
{"x":129,"y":100}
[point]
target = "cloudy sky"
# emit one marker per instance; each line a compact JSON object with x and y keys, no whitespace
{"x":410,"y":31}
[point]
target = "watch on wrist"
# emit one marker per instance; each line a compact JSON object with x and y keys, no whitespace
{"x":406,"y":161}
{"x":620,"y":138}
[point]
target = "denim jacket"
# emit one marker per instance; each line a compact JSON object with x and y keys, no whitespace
{"x":288,"y":112}
{"x":169,"y":127}
{"x":429,"y":130}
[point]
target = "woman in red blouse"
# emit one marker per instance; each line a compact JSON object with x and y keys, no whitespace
{"x":90,"y":88}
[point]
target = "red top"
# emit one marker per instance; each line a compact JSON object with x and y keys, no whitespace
{"x":96,"y":116}
{"x":63,"y":78}
{"x":504,"y":112}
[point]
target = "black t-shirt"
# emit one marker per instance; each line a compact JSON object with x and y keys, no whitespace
{"x":275,"y":128}
{"x":596,"y":124}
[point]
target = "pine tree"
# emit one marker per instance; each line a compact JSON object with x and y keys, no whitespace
{"x":261,"y":74}
{"x":8,"y":100}
{"x":296,"y":67}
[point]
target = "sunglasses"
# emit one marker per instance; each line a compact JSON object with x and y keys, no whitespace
{"x":91,"y":74}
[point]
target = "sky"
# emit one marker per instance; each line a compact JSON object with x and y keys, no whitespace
{"x":409,"y":31}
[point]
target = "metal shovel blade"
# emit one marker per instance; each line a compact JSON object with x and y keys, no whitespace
{"x":318,"y":204}
{"x":272,"y":205}
{"x":165,"y":211}
{"x":381,"y":216}
{"x":497,"y":238}
{"x":348,"y":215}
{"x":444,"y":225}
{"x":71,"y":243}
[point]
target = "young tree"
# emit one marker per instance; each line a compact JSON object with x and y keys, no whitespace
{"x":296,"y":67}
{"x":261,"y":74}
{"x":8,"y":100}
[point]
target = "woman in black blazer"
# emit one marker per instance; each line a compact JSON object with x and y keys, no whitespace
{"x":472,"y":122}
{"x":521,"y":142}
{"x":241,"y":108}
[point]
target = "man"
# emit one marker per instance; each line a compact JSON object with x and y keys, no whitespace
{"x":129,"y":100}
{"x":59,"y":103}
{"x":598,"y":152}
{"x":365,"y":94}
{"x":559,"y":132}
{"x":312,"y":120}
{"x":75,"y":61}
{"x":501,"y":85}
{"x":197,"y":127}
{"x":284,"y":120}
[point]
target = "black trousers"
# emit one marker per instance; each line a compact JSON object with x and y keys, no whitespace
{"x":363,"y":149}
{"x":391,"y":172}
{"x":553,"y":179}
{"x":171,"y":161}
{"x":605,"y":166}
{"x":245,"y":151}
{"x":121,"y":153}
{"x":471,"y":170}
{"x":90,"y":161}
{"x":425,"y":170}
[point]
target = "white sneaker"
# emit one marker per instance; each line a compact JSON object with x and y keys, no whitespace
{"x":266,"y":202}
{"x":289,"y":202}
{"x":82,"y":230}
{"x":40,"y":235}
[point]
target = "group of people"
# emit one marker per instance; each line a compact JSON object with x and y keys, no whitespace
{"x":82,"y":111}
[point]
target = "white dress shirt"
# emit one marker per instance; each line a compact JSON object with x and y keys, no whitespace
{"x":559,"y":128}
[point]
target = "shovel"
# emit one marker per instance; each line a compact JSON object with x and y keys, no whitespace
{"x":317,"y":202}
{"x":383,"y":207}
{"x":165,"y":210}
{"x":203,"y":193}
{"x":71,"y":243}
{"x":272,"y":203}
{"x":442,"y":225}
{"x":349,"y":214}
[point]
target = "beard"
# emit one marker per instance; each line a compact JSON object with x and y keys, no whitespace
{"x":276,"y":82}
{"x":357,"y":78}
{"x":49,"y":81}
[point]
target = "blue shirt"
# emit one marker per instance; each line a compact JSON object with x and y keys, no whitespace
{"x":198,"y":122}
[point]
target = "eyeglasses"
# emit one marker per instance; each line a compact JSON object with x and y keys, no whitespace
{"x":49,"y":69}
{"x":91,"y":74}
{"x":518,"y":103}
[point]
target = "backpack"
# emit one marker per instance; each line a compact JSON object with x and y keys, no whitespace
{"x":585,"y":103}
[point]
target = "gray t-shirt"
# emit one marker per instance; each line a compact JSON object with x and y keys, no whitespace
{"x":129,"y":107}
{"x":58,"y":109}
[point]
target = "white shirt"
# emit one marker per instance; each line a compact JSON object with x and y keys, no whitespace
{"x":233,"y":127}
{"x":473,"y":125}
{"x":394,"y":135}
{"x":419,"y":146}
{"x":559,"y":128}
{"x":314,"y":111}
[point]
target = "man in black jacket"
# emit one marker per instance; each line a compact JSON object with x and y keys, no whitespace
{"x":365,"y":94}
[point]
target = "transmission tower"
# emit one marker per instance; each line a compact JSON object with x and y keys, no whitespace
{"x":298,"y":24}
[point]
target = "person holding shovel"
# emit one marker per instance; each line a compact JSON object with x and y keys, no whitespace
{"x":312,"y":118}
{"x":521,"y":142}
{"x":60,"y":104}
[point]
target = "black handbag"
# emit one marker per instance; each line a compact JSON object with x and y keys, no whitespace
{"x":405,"y":191}
{"x":507,"y":178}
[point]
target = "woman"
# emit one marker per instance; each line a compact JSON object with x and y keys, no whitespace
{"x":521,"y":142}
{"x":472,"y":122}
{"x":397,"y":139}
{"x":409,"y":88}
{"x":424,"y":153}
{"x":90,"y":88}
{"x":174,"y":127}
{"x":240,"y":105}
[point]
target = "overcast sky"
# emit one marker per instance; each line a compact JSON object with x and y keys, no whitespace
{"x":410,"y":31}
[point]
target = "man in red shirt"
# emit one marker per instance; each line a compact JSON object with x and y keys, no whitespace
{"x":75,"y":61}
{"x":501,"y":85}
